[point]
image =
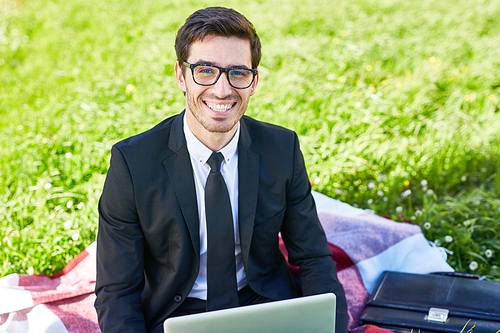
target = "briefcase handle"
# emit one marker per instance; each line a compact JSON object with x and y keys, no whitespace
{"x":462,"y":275}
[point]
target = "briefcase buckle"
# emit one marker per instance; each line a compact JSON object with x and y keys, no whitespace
{"x":437,"y":315}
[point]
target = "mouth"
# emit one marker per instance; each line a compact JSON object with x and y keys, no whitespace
{"x":219,"y":108}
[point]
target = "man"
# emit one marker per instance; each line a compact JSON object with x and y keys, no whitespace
{"x":184,"y":229}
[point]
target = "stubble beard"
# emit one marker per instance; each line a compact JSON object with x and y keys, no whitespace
{"x":213,"y":124}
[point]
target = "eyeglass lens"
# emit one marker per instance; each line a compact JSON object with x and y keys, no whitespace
{"x":207,"y":75}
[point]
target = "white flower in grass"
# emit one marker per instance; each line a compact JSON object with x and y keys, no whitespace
{"x":85,"y":106}
{"x":371,"y":185}
{"x":370,"y":201}
{"x":406,"y":193}
{"x":47,"y":186}
{"x":448,"y":239}
{"x":31,"y":270}
{"x":76,"y":236}
{"x":380,"y":193}
{"x":418,"y":213}
{"x":80,"y":205}
{"x":427,"y":225}
{"x":68,"y":224}
{"x":338,"y":191}
{"x":488,"y":253}
{"x":69,"y":204}
{"x":130,"y":88}
{"x":423,"y":182}
{"x":399,"y":209}
{"x":473,"y":266}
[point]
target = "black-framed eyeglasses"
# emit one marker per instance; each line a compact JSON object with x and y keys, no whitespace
{"x":207,"y":75}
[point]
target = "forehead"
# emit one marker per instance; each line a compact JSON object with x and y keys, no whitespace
{"x":221,"y":51}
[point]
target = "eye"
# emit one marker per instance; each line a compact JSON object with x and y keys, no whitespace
{"x":240,"y":73}
{"x":206,"y":70}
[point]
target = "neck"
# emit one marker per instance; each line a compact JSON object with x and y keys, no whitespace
{"x":215,"y":141}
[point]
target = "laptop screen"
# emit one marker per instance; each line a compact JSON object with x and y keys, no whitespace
{"x":305,"y":314}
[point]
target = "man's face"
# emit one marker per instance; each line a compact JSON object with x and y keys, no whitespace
{"x":217,"y":108}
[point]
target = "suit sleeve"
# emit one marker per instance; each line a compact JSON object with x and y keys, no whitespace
{"x":306,"y":242}
{"x":119,"y":253}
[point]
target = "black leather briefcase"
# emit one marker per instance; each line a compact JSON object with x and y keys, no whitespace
{"x":403,"y":302}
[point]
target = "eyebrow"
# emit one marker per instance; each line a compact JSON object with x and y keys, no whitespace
{"x":207,"y":62}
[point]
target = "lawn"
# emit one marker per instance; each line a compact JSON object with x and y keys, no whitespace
{"x":396,"y":103}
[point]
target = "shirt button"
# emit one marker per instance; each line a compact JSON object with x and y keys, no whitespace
{"x":177,"y":298}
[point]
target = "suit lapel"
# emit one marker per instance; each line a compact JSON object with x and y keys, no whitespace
{"x":180,"y":173}
{"x":248,"y":183}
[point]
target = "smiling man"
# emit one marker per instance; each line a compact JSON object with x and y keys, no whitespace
{"x":192,"y":210}
{"x":214,"y":109}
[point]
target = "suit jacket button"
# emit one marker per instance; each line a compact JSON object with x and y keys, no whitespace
{"x":177,"y":298}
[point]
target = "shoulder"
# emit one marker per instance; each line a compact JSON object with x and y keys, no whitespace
{"x":156,"y":136}
{"x":266,"y":133}
{"x":254,"y":124}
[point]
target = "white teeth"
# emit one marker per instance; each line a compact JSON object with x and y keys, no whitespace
{"x":220,"y":107}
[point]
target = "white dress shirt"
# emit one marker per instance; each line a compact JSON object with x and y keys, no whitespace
{"x":200,"y":154}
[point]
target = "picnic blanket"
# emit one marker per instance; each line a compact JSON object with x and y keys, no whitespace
{"x":363,"y":245}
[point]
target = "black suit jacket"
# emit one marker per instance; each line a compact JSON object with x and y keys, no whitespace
{"x":148,"y":244}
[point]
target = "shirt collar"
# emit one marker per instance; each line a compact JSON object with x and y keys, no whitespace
{"x":202,"y":153}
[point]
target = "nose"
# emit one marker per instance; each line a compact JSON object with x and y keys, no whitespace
{"x":222,"y":88}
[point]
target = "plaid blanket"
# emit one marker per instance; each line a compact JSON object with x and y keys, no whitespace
{"x":363,"y":245}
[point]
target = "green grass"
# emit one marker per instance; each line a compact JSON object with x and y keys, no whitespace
{"x":397,"y":105}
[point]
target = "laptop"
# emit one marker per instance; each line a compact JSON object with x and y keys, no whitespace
{"x":305,"y":314}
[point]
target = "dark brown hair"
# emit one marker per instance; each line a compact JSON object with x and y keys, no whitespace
{"x":216,"y":21}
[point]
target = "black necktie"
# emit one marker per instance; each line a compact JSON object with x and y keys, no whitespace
{"x":221,"y":267}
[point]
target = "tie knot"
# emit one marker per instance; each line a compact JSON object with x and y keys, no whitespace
{"x":215,"y":161}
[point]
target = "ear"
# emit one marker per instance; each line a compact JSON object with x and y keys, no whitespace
{"x":179,"y":76}
{"x":254,"y":85}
